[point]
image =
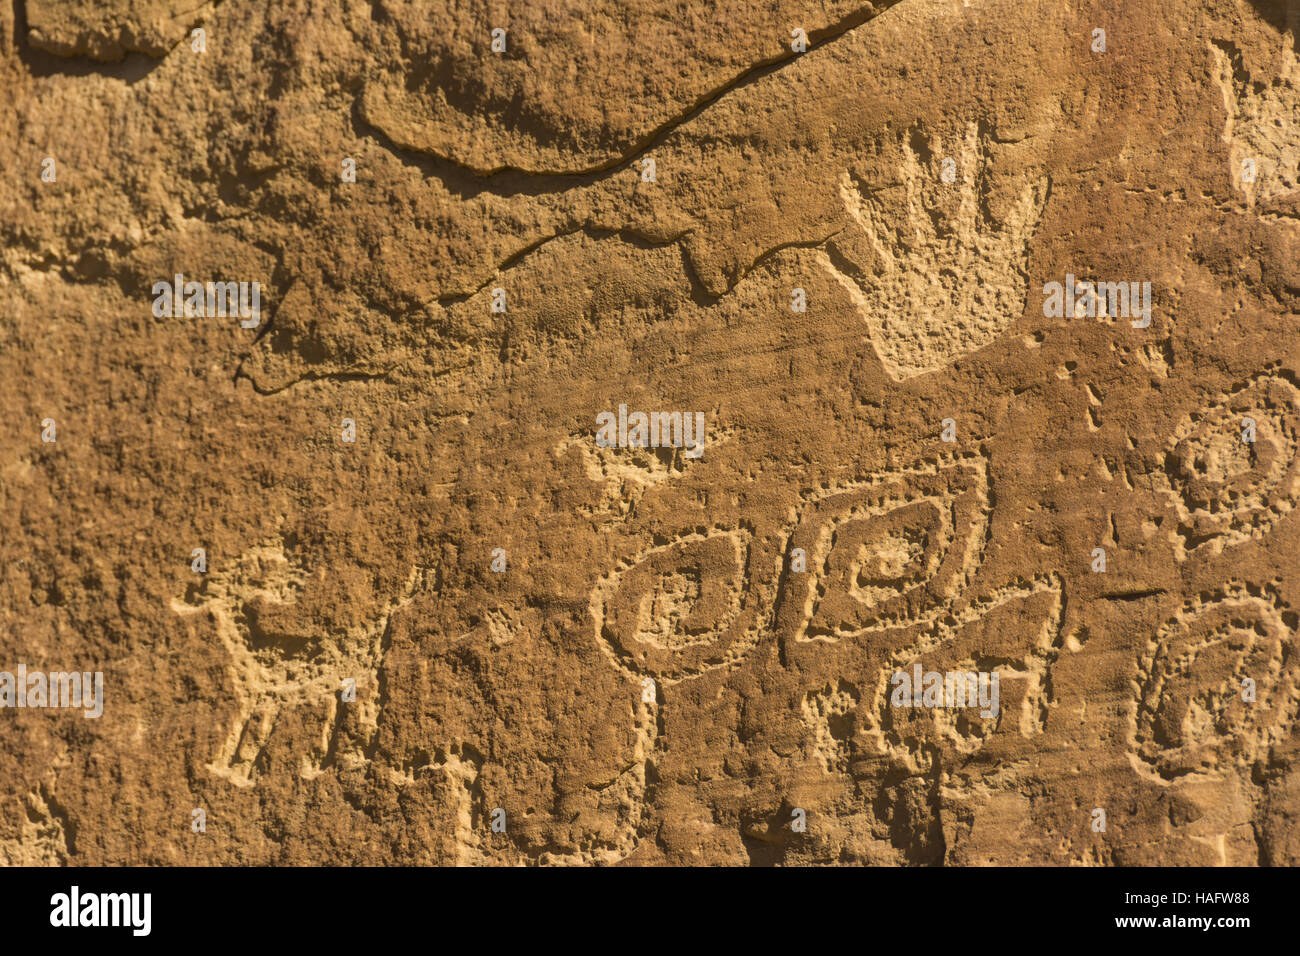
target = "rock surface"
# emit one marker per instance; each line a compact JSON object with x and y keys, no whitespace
{"x":426,"y":592}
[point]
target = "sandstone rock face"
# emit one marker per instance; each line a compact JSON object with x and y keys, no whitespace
{"x":656,"y":440}
{"x":573,"y":87}
{"x":108,"y":31}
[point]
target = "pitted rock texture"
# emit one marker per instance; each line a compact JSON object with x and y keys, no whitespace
{"x":109,"y":31}
{"x":366,"y":588}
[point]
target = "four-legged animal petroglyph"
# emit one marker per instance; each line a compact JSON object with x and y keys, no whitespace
{"x":274,"y":672}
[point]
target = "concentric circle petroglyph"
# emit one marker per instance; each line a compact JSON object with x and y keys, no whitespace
{"x":889,"y":551}
{"x":1216,"y":685}
{"x":680,"y":609}
{"x":1226,"y":489}
{"x":1014,"y":633}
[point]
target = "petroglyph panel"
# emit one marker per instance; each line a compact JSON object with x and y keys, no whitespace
{"x":893,"y":550}
{"x":1015,"y":635}
{"x":1260,"y":125}
{"x":1228,"y":489}
{"x":930,"y":270}
{"x":273,"y":671}
{"x":1217,"y":685}
{"x":477,"y":234}
{"x":680,"y":609}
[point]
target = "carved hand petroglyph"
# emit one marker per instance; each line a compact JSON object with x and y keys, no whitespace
{"x":931,"y":271}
